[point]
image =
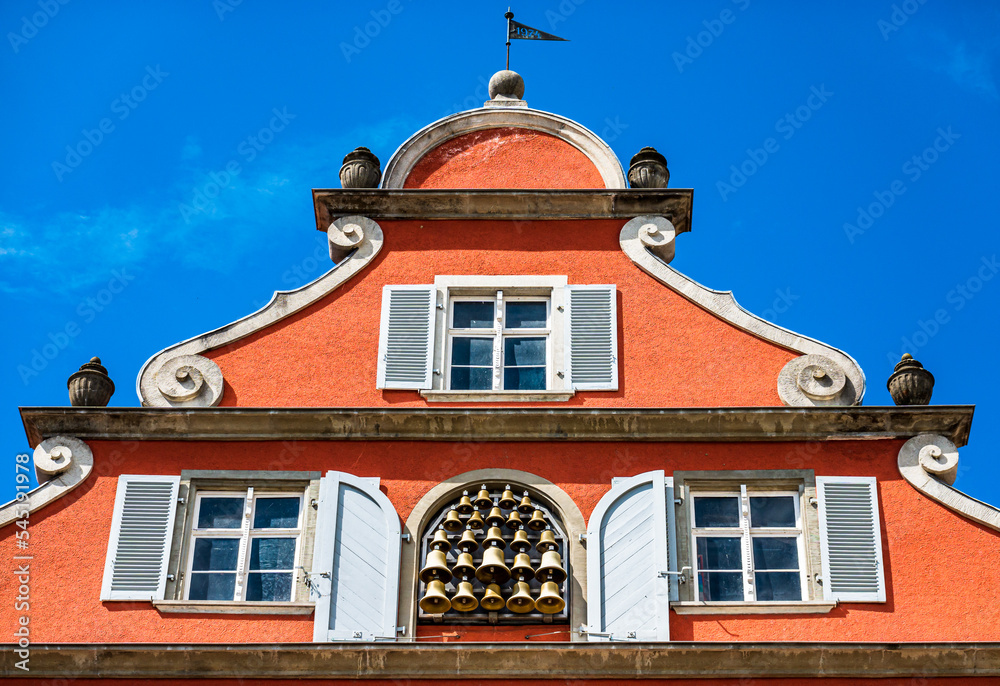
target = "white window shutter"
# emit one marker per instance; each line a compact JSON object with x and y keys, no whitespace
{"x":139,"y":547}
{"x":406,"y":337}
{"x":630,"y":548}
{"x":356,"y":563}
{"x":592,"y":338}
{"x":850,"y":539}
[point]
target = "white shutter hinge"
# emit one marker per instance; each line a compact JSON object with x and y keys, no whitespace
{"x":405,"y":537}
{"x":400,"y":629}
{"x":682,"y":575}
{"x":814,"y":501}
{"x":583,"y":538}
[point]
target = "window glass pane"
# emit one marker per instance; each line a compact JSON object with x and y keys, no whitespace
{"x":272,"y":553}
{"x":775,"y":553}
{"x":720,"y":586}
{"x":212,"y":587}
{"x":524,"y":378}
{"x":717,"y":511}
{"x":523,"y":352}
{"x":472,"y":351}
{"x":777,"y":586}
{"x":773,"y":511}
{"x":270,"y":586}
{"x":276,"y":513}
{"x":525,"y":315}
{"x":719,"y":553}
{"x":472,"y":378}
{"x":220,"y":513}
{"x":215,"y":554}
{"x":473,"y":315}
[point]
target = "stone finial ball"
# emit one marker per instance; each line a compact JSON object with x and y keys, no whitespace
{"x":508,"y":84}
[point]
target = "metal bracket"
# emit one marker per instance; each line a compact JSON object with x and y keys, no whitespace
{"x":583,"y":538}
{"x":406,"y":537}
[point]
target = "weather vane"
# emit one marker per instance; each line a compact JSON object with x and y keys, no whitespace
{"x":523,"y":31}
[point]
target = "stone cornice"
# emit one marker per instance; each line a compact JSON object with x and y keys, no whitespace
{"x":507,"y":661}
{"x":499,"y":424}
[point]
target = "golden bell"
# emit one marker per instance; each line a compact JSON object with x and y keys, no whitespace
{"x":494,"y":538}
{"x":468,"y":542}
{"x":476,"y":522}
{"x":526,"y":506}
{"x":514,"y":520}
{"x":483,"y":500}
{"x":549,"y":602}
{"x":507,"y":501}
{"x":493,"y":569}
{"x":465,"y":566}
{"x":435,"y":601}
{"x":465,"y":505}
{"x":546,"y":543}
{"x":463,"y":600}
{"x":551,"y":568}
{"x":452,"y":523}
{"x":521,"y":601}
{"x":492,"y":600}
{"x":436,"y":567}
{"x":440,"y":541}
{"x":522,"y":566}
{"x":537,"y":521}
{"x":521,"y":544}
{"x":495,"y":517}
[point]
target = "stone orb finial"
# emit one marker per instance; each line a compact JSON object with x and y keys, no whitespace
{"x":910,"y":383}
{"x":91,"y":386}
{"x":361,"y":169}
{"x":507,"y":84}
{"x":648,"y":169}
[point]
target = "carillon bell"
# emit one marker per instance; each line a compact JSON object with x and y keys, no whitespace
{"x":526,"y":506}
{"x":452,"y":522}
{"x":520,"y":544}
{"x":537,"y":521}
{"x":440,"y":541}
{"x":468,"y":542}
{"x":522,"y":567}
{"x":493,"y":569}
{"x":492,"y":600}
{"x":464,"y":600}
{"x":476,"y":522}
{"x":507,"y":501}
{"x":494,"y":538}
{"x":551,"y":568}
{"x":465,"y":505}
{"x":495,"y":517}
{"x":521,"y":601}
{"x":549,"y":601}
{"x":436,"y":567}
{"x":465,"y":566}
{"x":514,"y":520}
{"x":483,"y":500}
{"x":435,"y":601}
{"x":547,"y":542}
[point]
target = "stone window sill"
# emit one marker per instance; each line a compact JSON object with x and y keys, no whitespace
{"x":233,"y":607}
{"x":496,"y":396}
{"x":695,"y":607}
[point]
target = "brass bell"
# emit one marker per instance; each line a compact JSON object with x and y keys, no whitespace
{"x":494,"y":538}
{"x":483,"y":500}
{"x":492,"y":600}
{"x":465,"y":505}
{"x":495,"y":517}
{"x":463,"y":600}
{"x":522,"y":567}
{"x":520,"y":544}
{"x":547,"y":542}
{"x":549,"y":601}
{"x":537,"y":521}
{"x":435,"y":601}
{"x":465,"y":566}
{"x":514,"y":520}
{"x":526,"y":506}
{"x":436,"y":567}
{"x":476,"y":522}
{"x":507,"y":501}
{"x":440,"y":541}
{"x":551,"y":568}
{"x":521,"y":601}
{"x":452,"y":523}
{"x":468,"y":542}
{"x":493,"y":569}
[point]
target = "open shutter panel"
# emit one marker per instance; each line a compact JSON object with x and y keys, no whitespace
{"x":406,"y":337}
{"x":356,"y":568}
{"x":628,"y":555}
{"x":850,"y":539}
{"x":139,"y":546}
{"x":593,"y":338}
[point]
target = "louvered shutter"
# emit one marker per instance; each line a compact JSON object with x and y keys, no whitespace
{"x":139,"y":547}
{"x":356,"y":563}
{"x":630,"y":548}
{"x":592,"y":338}
{"x":406,"y":337}
{"x":850,"y":539}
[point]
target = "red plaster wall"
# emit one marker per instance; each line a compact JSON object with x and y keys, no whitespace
{"x":941,"y":570}
{"x":672,"y":353}
{"x":983,"y":681}
{"x":504,"y":158}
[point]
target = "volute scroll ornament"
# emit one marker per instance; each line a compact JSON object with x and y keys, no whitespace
{"x":347,"y":234}
{"x":935,"y":454}
{"x":57,"y":454}
{"x":656,"y":234}
{"x":188,"y":381}
{"x":815,"y":380}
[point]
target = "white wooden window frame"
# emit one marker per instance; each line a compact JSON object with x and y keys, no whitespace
{"x":246,"y":534}
{"x":746,"y":534}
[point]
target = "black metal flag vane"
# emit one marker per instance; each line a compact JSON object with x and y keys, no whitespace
{"x":523,"y":31}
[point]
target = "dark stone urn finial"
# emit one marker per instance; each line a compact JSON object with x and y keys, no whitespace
{"x":648,"y":169}
{"x":91,"y":386}
{"x":361,"y":169}
{"x":910,"y":383}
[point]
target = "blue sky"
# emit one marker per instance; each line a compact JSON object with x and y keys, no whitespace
{"x":843,"y":158}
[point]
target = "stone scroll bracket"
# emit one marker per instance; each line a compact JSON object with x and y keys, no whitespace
{"x":61,"y":464}
{"x":815,"y":380}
